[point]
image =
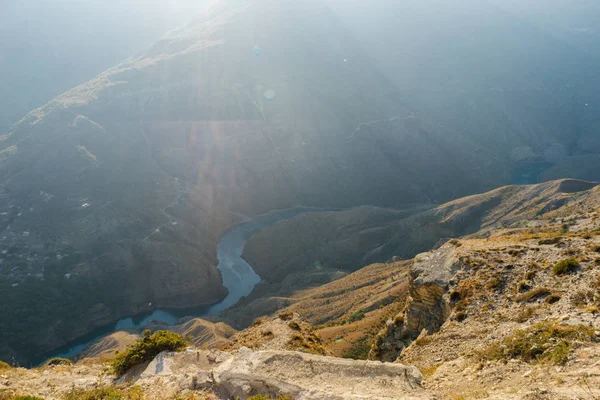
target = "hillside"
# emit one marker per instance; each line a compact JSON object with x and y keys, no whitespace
{"x":518,"y":79}
{"x":511,"y":309}
{"x":349,"y":239}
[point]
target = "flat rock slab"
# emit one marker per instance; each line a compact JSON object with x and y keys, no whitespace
{"x":307,"y":377}
{"x":298,"y":375}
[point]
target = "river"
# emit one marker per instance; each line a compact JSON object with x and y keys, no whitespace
{"x":238,"y":277}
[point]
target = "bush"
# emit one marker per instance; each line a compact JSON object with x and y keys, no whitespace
{"x":286,"y":316}
{"x":554,"y":240}
{"x":460,"y":316}
{"x":553,"y":298}
{"x":104,"y":393}
{"x":582,"y":298}
{"x":525,"y":314}
{"x":455,"y":296}
{"x":356,"y":316}
{"x":4,"y":365}
{"x":28,"y":398}
{"x":533,"y":295}
{"x":494,"y":283}
{"x":58,"y":361}
{"x":565,"y":266}
{"x":294,"y":325}
{"x":523,"y":286}
{"x":7,"y":396}
{"x":146,"y":348}
{"x":530,"y":274}
{"x":359,"y":350}
{"x":307,"y":344}
{"x":542,"y":342}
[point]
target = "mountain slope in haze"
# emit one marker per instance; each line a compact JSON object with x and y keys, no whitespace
{"x":576,"y":25}
{"x":495,"y":73}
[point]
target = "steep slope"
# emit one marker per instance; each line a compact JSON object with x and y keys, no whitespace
{"x":500,"y":311}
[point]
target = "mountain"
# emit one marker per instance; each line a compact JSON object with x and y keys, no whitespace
{"x":113,"y":196}
{"x":497,"y":74}
{"x":573,"y":25}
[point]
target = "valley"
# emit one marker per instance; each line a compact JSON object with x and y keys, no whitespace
{"x":457,"y":313}
{"x":237,"y":275}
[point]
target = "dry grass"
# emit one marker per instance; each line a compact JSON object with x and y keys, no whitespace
{"x":533,"y":295}
{"x":543,"y":342}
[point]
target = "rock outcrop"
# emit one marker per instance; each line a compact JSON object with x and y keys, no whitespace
{"x":426,"y":308}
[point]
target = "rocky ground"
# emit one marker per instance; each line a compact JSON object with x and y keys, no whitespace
{"x":495,"y":317}
{"x":271,"y":368}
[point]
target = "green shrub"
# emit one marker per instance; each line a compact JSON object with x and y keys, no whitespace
{"x":4,"y":365}
{"x":359,"y":350}
{"x":553,"y":240}
{"x":286,"y":316}
{"x":565,"y":266}
{"x":523,"y":286}
{"x":553,"y":298}
{"x":533,"y":295}
{"x":494,"y":283}
{"x":58,"y":361}
{"x":146,"y":348}
{"x":104,"y":393}
{"x":294,"y":325}
{"x":28,"y":398}
{"x":356,"y":316}
{"x":542,"y":342}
